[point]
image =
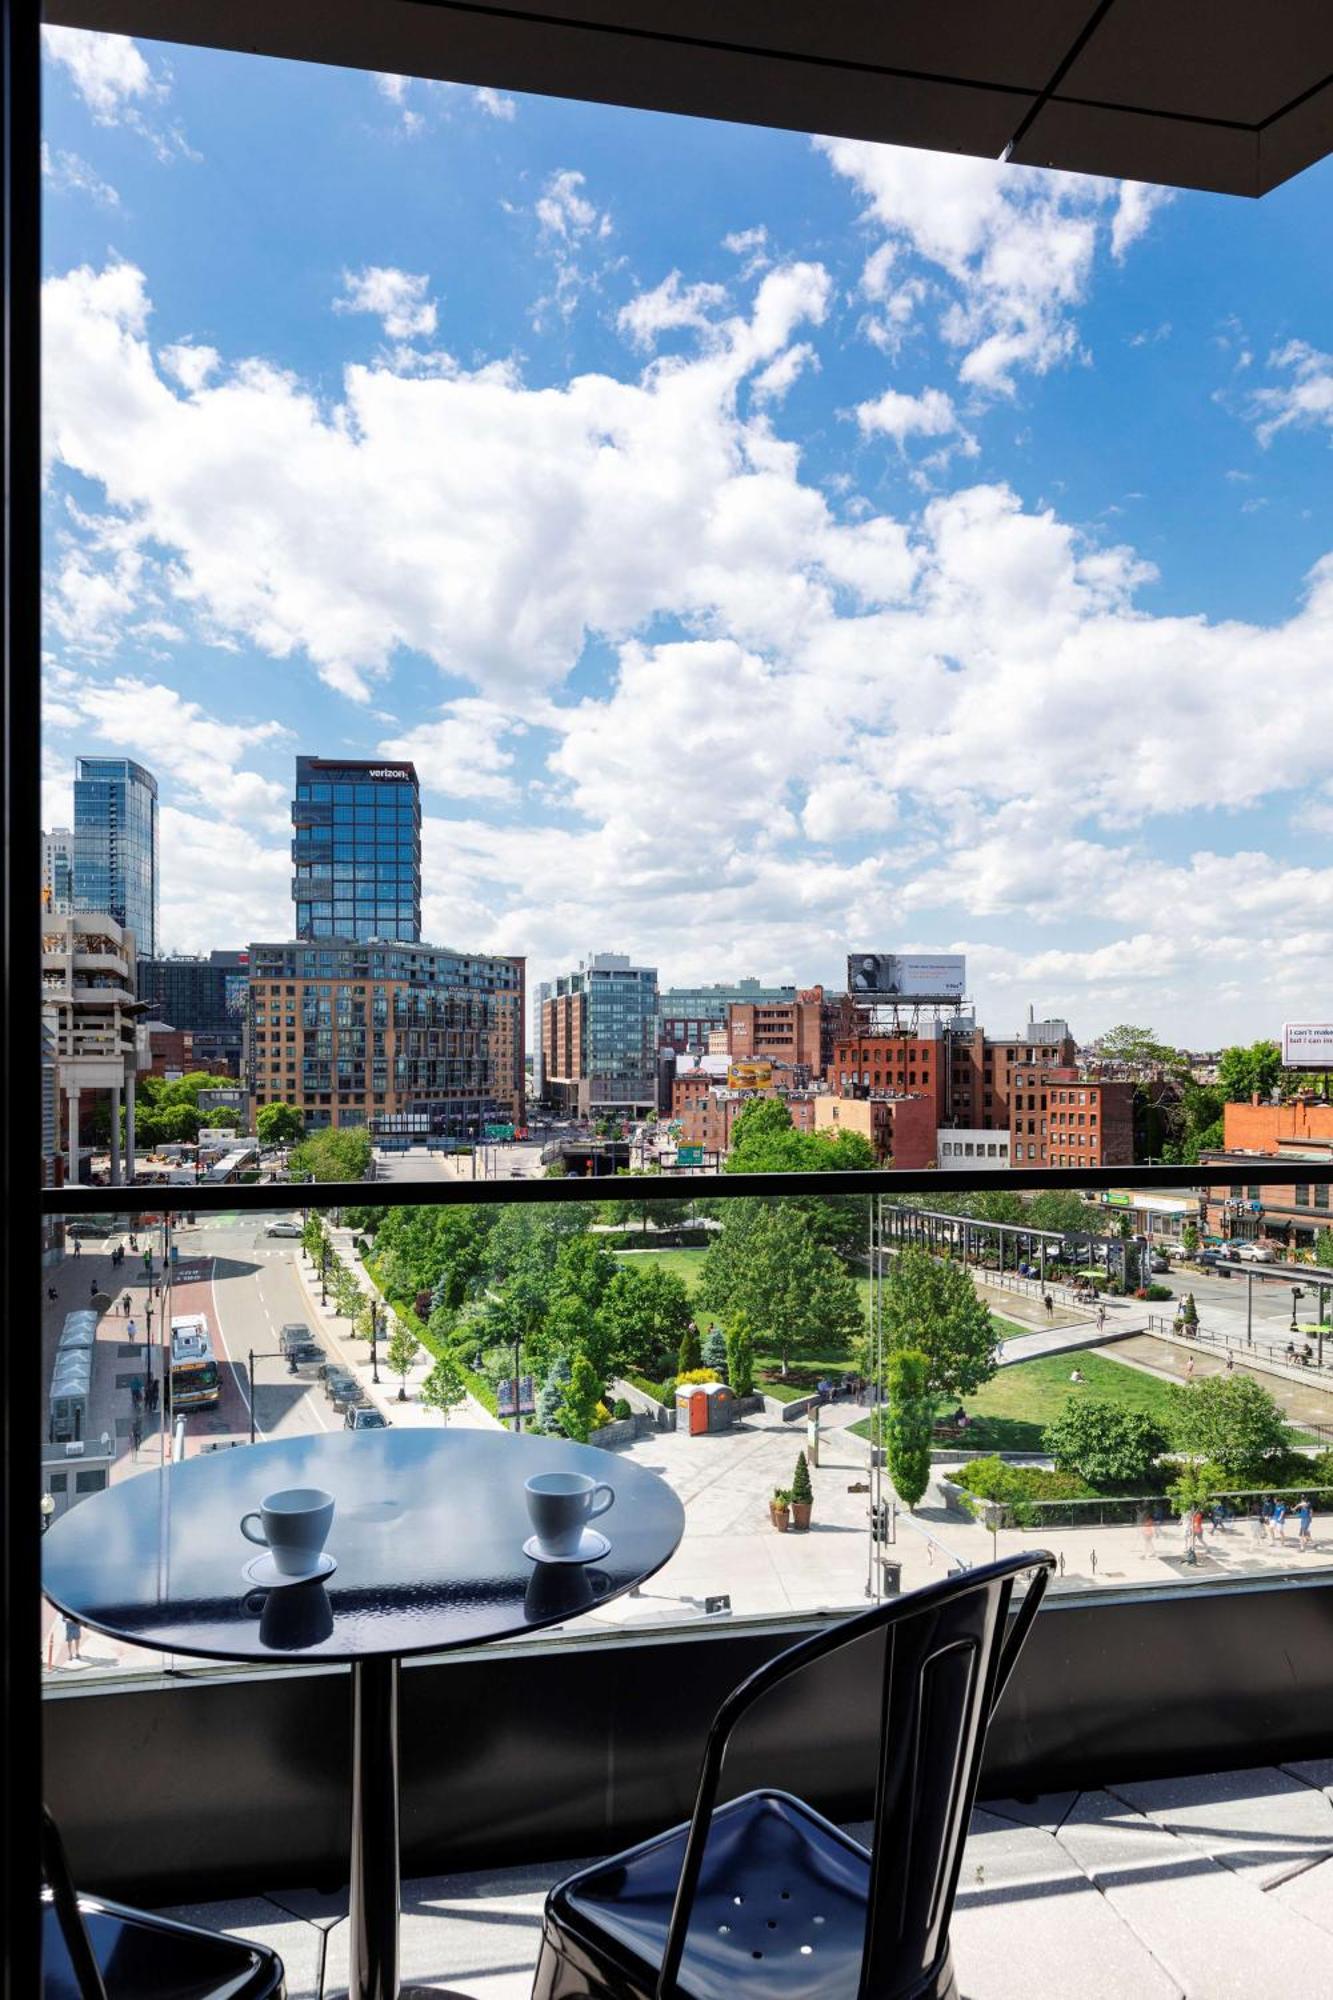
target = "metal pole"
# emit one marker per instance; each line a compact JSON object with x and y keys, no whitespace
{"x":518,"y":1421}
{"x":373,"y":1905}
{"x":1249,"y":1308}
{"x":374,"y":1342}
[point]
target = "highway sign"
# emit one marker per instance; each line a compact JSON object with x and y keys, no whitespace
{"x":499,"y":1131}
{"x":689,"y":1156}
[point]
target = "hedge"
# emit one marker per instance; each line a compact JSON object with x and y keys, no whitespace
{"x":478,"y":1384}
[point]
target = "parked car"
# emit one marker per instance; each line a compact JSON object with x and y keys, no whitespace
{"x":365,"y":1420}
{"x":336,"y":1377}
{"x":1160,"y":1263}
{"x":295,"y":1333}
{"x":309,"y":1358}
{"x":1257,"y":1253}
{"x":284,"y":1229}
{"x":1214,"y":1261}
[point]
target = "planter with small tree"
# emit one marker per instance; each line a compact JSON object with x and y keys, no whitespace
{"x":802,"y":1493}
{"x":779,"y":1509}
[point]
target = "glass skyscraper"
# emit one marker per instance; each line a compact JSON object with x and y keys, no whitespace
{"x":356,"y":850}
{"x":115,"y":845}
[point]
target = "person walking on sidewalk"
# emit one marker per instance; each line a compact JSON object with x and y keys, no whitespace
{"x":1148,"y":1530}
{"x":73,"y":1640}
{"x":77,"y":1246}
{"x":136,"y":1437}
{"x":1305,"y":1521}
{"x":1101,"y":1319}
{"x":1280,"y":1521}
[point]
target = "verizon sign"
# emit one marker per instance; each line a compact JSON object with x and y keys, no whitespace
{"x":1307,"y":1045}
{"x":391,"y":771}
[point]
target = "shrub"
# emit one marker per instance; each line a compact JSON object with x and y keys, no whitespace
{"x":1104,"y":1443}
{"x":1158,"y":1292}
{"x":906,"y":1427}
{"x":697,"y":1375}
{"x":601,"y":1415}
{"x":691,"y":1354}
{"x":621,"y":1410}
{"x":657,"y":1390}
{"x":801,"y":1489}
{"x":994,"y":1479}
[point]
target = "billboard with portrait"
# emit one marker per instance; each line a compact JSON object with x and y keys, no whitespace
{"x":887,"y":975}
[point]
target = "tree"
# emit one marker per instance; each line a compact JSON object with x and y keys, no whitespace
{"x":689,"y":1354}
{"x":640,"y":1213}
{"x":798,"y":1296}
{"x":740,"y":1356}
{"x":444,"y":1388}
{"x":1103,"y":1443}
{"x":714,"y":1350}
{"x":1064,"y":1210}
{"x":578,"y":1412}
{"x":1230,"y":1421}
{"x":1139,"y":1048}
{"x":552,"y":1396}
{"x":401,"y":1355}
{"x":1242,"y":1071}
{"x":279,"y":1124}
{"x":1189,"y":1238}
{"x":764,"y":1141}
{"x":801,"y":1487}
{"x":644,"y":1312}
{"x":994,"y":1205}
{"x":336,"y":1153}
{"x":1189,"y":1312}
{"x":1323,"y":1249}
{"x":931,"y":1306}
{"x":907,"y":1423}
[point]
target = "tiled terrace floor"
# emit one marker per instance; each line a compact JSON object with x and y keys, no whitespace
{"x":1213,"y":1888}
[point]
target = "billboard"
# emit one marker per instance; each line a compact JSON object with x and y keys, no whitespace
{"x":750,"y":1075}
{"x":887,"y":975}
{"x":1307,"y":1045}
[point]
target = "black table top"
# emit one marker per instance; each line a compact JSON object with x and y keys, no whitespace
{"x":428,"y":1536}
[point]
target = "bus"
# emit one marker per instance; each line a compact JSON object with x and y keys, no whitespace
{"x":194,"y":1372}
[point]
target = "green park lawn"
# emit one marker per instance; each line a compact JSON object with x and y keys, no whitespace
{"x":1014,"y":1407}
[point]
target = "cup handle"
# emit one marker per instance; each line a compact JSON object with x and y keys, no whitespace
{"x":261,"y":1538}
{"x":607,"y":1504}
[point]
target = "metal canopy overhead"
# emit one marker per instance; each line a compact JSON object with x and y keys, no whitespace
{"x":1229,"y":95}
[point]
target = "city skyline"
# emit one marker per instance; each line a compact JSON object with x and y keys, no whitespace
{"x":741,"y":543}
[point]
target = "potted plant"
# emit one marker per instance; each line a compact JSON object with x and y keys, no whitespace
{"x":779,"y":1509}
{"x":802,"y":1493}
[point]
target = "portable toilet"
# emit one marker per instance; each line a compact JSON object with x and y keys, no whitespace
{"x":704,"y":1406}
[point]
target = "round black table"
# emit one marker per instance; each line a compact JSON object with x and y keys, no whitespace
{"x":428,"y":1534}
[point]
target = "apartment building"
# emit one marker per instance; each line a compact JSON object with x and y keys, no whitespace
{"x":599,"y":1033}
{"x":901,"y":1127}
{"x":1291,"y":1215}
{"x":799,"y":1032}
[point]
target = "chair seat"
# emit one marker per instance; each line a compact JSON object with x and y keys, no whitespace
{"x":780,"y":1909}
{"x":145,"y":1957}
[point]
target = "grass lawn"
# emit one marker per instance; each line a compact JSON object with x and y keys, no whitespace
{"x":1013,"y":1409}
{"x":686,"y":1264}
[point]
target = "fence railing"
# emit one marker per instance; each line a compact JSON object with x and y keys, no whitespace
{"x":1283,"y":1356}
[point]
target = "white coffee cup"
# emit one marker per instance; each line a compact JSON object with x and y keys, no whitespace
{"x":560,"y":1506}
{"x":293,"y":1526}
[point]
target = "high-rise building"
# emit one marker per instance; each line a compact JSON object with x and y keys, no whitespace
{"x":401,"y":1038}
{"x":599,"y":1032}
{"x":90,"y":1020}
{"x":204,"y":997}
{"x":356,"y":850}
{"x":115,"y":845}
{"x":58,"y":871}
{"x":690,"y":1013}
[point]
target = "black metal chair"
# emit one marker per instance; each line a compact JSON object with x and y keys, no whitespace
{"x":764,"y":1896}
{"x":96,"y":1950}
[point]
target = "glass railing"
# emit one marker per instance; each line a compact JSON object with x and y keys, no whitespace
{"x":851,"y":1391}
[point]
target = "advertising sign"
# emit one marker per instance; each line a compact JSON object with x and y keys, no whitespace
{"x":750,"y":1075}
{"x":1307,"y":1045}
{"x":887,"y":975}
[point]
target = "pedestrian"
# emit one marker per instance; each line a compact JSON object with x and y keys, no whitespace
{"x":1049,"y":1304}
{"x":153,"y":1392}
{"x":1101,"y":1319}
{"x":1148,"y":1530}
{"x":1280,"y":1521}
{"x":136,"y":1437}
{"x":1198,"y":1526}
{"x":130,"y":1331}
{"x":51,"y":1295}
{"x":1265,"y":1529}
{"x":1305,"y":1519}
{"x":136,"y":1392}
{"x":1189,"y":1369}
{"x":73,"y":1639}
{"x":77,"y":1246}
{"x":1231,"y":1361}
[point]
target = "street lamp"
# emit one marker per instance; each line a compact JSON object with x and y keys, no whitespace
{"x":48,"y":1505}
{"x":375,"y":1310}
{"x":1296,"y":1295}
{"x":323,"y":1270}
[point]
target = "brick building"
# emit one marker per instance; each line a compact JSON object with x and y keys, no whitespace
{"x":690,"y":1014}
{"x":1070,"y":1120}
{"x":708,"y":1118}
{"x":902,"y":1129}
{"x":799,"y":1033}
{"x":902,"y":1063}
{"x":402,"y":1037}
{"x":1291,"y":1215}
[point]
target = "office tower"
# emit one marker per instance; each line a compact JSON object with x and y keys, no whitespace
{"x":356,"y":850}
{"x":115,"y":845}
{"x":599,"y":1030}
{"x":58,"y":871}
{"x":204,"y":997}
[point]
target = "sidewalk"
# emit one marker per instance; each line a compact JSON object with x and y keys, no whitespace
{"x":336,"y":1333}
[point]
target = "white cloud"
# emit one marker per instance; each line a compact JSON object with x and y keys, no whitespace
{"x":1303,"y":402}
{"x":563,"y":210}
{"x":114,"y":79}
{"x":570,"y":226}
{"x":397,"y":298}
{"x":931,"y":414}
{"x":461,"y":754}
{"x":1015,"y":245}
{"x":222,"y":886}
{"x":67,"y":173}
{"x":668,"y":307}
{"x":494,"y":104}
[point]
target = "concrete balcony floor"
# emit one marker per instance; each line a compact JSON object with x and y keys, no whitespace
{"x":1204,"y":1888}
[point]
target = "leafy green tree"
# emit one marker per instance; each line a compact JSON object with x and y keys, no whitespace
{"x":931,"y":1306}
{"x":764,"y":1141}
{"x":1064,"y":1210}
{"x":1243,"y":1070}
{"x":1189,"y":1238}
{"x":798,"y":1296}
{"x":278,"y":1124}
{"x":1231,"y":1421}
{"x":1106,"y":1444}
{"x":689,"y":1354}
{"x":714,"y":1350}
{"x":629,"y":1213}
{"x":907,"y":1422}
{"x":995,"y":1205}
{"x":444,"y":1388}
{"x":1140,"y":1048}
{"x":644,"y":1311}
{"x":1323,"y":1249}
{"x":740,"y":1355}
{"x":1189,"y":1312}
{"x":578,"y":1412}
{"x":401,"y":1355}
{"x":336,"y":1153}
{"x":550,"y":1400}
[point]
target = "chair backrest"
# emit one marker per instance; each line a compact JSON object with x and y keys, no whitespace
{"x":948,"y":1652}
{"x":55,"y":1868}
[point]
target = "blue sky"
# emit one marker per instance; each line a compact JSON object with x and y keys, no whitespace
{"x":765,"y":547}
